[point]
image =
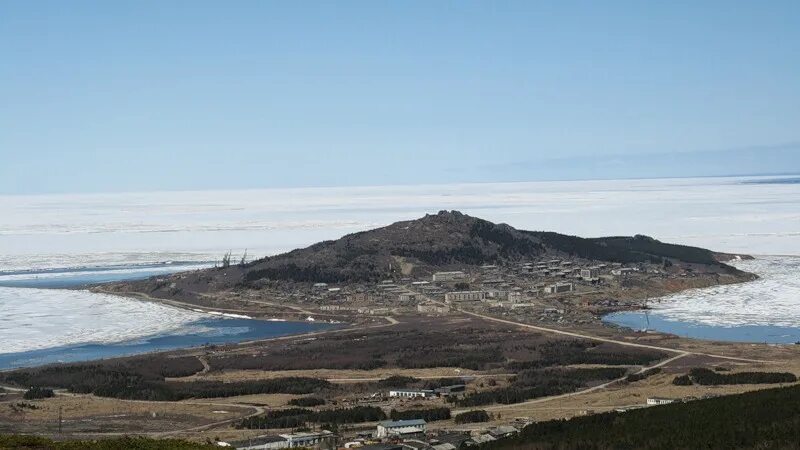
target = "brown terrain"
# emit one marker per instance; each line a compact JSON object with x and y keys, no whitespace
{"x":401,"y":322}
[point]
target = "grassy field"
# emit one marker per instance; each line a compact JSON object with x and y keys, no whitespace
{"x":200,"y":419}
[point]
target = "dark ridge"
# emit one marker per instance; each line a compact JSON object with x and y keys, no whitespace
{"x":448,"y":239}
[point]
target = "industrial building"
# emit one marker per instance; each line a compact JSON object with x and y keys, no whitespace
{"x":464,"y":296}
{"x":559,"y":288}
{"x":289,"y":440}
{"x":412,"y":393}
{"x":444,"y":277}
{"x":400,"y":428}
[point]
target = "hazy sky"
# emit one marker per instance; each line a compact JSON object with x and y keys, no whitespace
{"x":138,"y":95}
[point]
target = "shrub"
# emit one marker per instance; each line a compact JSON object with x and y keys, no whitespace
{"x":530,"y":384}
{"x":682,"y":380}
{"x":397,"y":381}
{"x":642,"y":375}
{"x":298,"y":417}
{"x":708,"y":377}
{"x":472,"y":416}
{"x":307,"y":401}
{"x":132,"y":443}
{"x":37,"y":392}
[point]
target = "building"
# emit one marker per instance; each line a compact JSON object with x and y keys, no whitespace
{"x":262,"y":443}
{"x":384,"y":446}
{"x":416,"y":444}
{"x":559,"y":288}
{"x":359,"y":297}
{"x":380,"y":311}
{"x":433,"y":308}
{"x":503,"y":431}
{"x":590,"y":274}
{"x":412,"y":393}
{"x":400,"y":428}
{"x":455,"y":438}
{"x":444,"y":277}
{"x":622,"y":271}
{"x":446,"y":391}
{"x":444,"y":446}
{"x":496,"y":295}
{"x":307,"y":439}
{"x":464,"y":296}
{"x":407,"y":297}
{"x":660,"y":401}
{"x":483,"y":438}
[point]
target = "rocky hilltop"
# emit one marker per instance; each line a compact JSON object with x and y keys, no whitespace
{"x":417,"y":248}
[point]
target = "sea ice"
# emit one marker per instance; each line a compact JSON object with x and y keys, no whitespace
{"x":45,"y":318}
{"x":773,"y":299}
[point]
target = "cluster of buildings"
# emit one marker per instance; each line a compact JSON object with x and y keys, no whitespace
{"x":444,"y":391}
{"x":388,"y":435}
{"x":311,"y":439}
{"x":515,"y":289}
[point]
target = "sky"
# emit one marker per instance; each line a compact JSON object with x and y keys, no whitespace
{"x":99,"y":96}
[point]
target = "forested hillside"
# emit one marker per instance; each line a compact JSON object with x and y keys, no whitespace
{"x":768,"y":419}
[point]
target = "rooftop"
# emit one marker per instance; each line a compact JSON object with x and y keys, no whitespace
{"x":403,"y":423}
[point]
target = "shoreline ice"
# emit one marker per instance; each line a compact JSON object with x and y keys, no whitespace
{"x":773,"y":299}
{"x":36,"y":319}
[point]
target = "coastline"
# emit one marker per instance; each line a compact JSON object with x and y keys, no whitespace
{"x":734,"y":313}
{"x":127,"y":350}
{"x":296,"y":314}
{"x":216,"y":328}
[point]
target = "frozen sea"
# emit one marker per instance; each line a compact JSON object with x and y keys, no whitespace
{"x":59,"y":241}
{"x":765,"y":310}
{"x":46,"y":318}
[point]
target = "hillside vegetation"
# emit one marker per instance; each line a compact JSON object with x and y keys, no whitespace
{"x":768,"y":419}
{"x":131,"y":443}
{"x":123,"y":379}
{"x":448,"y":239}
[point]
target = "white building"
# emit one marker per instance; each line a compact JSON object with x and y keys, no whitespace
{"x":407,"y":297}
{"x":660,"y":401}
{"x":432,"y":308}
{"x":400,"y":428}
{"x":443,"y":277}
{"x":464,"y":296}
{"x":559,"y":288}
{"x":412,"y":393}
{"x":496,"y":294}
{"x":590,"y":274}
{"x":262,"y":443}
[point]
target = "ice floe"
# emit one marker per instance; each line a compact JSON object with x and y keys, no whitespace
{"x":773,"y":299}
{"x":45,"y":318}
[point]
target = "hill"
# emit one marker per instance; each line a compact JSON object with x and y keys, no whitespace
{"x":449,"y":239}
